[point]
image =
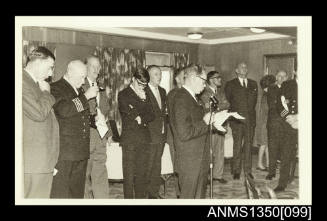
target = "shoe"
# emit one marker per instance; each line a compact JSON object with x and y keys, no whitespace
{"x":279,"y":189}
{"x":250,"y":175}
{"x":265,"y":169}
{"x":236,"y":176}
{"x":222,"y":180}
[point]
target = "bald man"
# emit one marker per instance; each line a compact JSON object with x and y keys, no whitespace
{"x":242,"y":94}
{"x":72,"y":111}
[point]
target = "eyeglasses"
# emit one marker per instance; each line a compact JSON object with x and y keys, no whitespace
{"x":202,"y":78}
{"x":140,"y":83}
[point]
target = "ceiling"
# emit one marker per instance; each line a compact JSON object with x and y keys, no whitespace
{"x":211,"y":35}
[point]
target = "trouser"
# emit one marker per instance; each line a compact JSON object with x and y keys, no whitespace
{"x":154,"y":169}
{"x":37,"y":185}
{"x":69,"y":182}
{"x":135,"y":159}
{"x":275,"y":134}
{"x":218,"y":155}
{"x":290,"y":139}
{"x":96,"y":185}
{"x":242,"y":144}
{"x":193,"y":185}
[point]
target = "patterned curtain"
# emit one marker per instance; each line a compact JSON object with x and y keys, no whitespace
{"x":180,"y":60}
{"x":29,"y":46}
{"x":117,"y":67}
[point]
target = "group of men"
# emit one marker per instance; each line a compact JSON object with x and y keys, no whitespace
{"x":64,"y":154}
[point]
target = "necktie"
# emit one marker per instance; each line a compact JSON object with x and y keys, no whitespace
{"x":158,"y":96}
{"x":244,"y":85}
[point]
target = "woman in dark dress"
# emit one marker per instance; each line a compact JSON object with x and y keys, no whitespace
{"x":262,"y":137}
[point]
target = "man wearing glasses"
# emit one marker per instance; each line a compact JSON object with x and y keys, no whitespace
{"x":214,"y":88}
{"x":190,"y":128}
{"x":136,"y":112}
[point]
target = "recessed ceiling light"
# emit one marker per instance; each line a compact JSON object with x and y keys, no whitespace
{"x":195,"y":35}
{"x":257,"y":30}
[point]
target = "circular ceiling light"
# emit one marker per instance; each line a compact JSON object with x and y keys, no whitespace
{"x":195,"y":35}
{"x":257,"y":30}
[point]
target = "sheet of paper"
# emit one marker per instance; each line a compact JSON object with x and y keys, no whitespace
{"x":220,"y":118}
{"x":102,"y":128}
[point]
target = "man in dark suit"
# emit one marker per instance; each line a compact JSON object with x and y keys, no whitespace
{"x":242,"y":93}
{"x":40,"y":126}
{"x":274,"y":123}
{"x":72,"y":112}
{"x":213,"y":88}
{"x":158,"y":130}
{"x":190,"y":129}
{"x":179,"y":82}
{"x":96,"y":185}
{"x":287,"y":106}
{"x":136,"y":113}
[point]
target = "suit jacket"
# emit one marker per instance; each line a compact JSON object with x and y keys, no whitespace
{"x":72,"y":112}
{"x":40,"y":129}
{"x":160,"y":116}
{"x":98,"y":145}
{"x":272,"y":100}
{"x":289,"y":91}
{"x":243,"y":100}
{"x":190,"y":132}
{"x":130,"y":106}
{"x":223,"y":104}
{"x":170,"y":108}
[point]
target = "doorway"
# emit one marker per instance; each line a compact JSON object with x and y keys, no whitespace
{"x":275,"y":62}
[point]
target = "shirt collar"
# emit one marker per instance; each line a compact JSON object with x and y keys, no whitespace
{"x":90,"y":82}
{"x":32,"y":76}
{"x":190,"y":91}
{"x":213,"y":89}
{"x":71,"y":84}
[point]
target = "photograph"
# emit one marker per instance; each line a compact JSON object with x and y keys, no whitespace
{"x":163,"y":110}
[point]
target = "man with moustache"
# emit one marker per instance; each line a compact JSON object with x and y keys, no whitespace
{"x":72,"y":111}
{"x":242,"y":93}
{"x":213,"y":88}
{"x":40,"y":126}
{"x":190,"y":129}
{"x":158,"y":130}
{"x":96,"y":185}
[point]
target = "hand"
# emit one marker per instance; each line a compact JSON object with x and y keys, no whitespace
{"x":292,"y":120}
{"x":138,"y":119}
{"x":206,"y":118}
{"x":44,"y":86}
{"x":91,"y":92}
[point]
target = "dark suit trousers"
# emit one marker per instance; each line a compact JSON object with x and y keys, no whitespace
{"x":242,"y":144}
{"x":193,"y":186}
{"x":154,"y":169}
{"x":135,"y":159}
{"x":69,"y":182}
{"x":290,"y":139}
{"x":275,"y":135}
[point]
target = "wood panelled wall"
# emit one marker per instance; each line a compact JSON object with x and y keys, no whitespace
{"x":98,"y":39}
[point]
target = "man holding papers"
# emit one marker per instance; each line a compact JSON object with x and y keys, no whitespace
{"x":96,"y":185}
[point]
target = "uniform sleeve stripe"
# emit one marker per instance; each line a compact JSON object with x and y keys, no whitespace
{"x":78,"y":104}
{"x":284,"y":113}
